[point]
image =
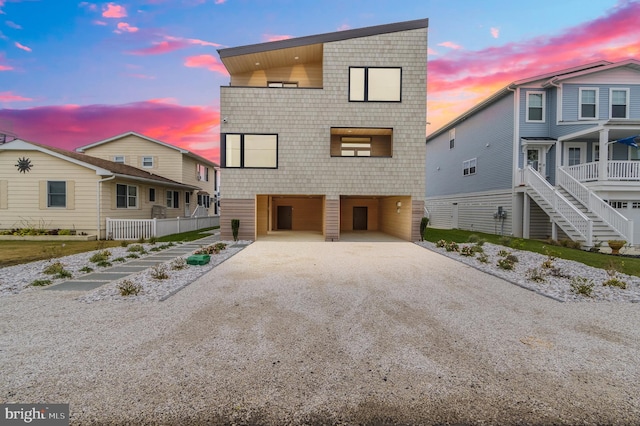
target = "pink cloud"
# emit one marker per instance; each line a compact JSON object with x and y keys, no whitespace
{"x":123,"y":27}
{"x":13,"y":25}
{"x":70,"y":126}
{"x":209,"y":62}
{"x":470,"y":76}
{"x":3,"y":64}
{"x":495,"y":32}
{"x":159,"y":48}
{"x":193,"y":41}
{"x":142,"y":76}
{"x":10,"y":97}
{"x":112,"y":10}
{"x":97,"y":22}
{"x":22,"y":46}
{"x":450,"y":45}
{"x":275,"y":37}
{"x":220,"y":1}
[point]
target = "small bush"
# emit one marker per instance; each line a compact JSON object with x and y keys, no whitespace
{"x":482,"y":257}
{"x":220,"y":246}
{"x":452,"y":246}
{"x":124,"y":243}
{"x":423,"y":227}
{"x":132,"y":256}
{"x":511,"y":258}
{"x":153,"y":240}
{"x":86,"y":269}
{"x":235,"y":227}
{"x":615,"y":282}
{"x":40,"y":283}
{"x":582,"y":286}
{"x":477,"y":248}
{"x":156,"y":248}
{"x":129,"y":288}
{"x":54,"y":268}
{"x":64,"y":232}
{"x":503,"y":253}
{"x":159,"y":272}
{"x":441,"y":243}
{"x":473,"y":238}
{"x":505,"y":241}
{"x":536,"y":275}
{"x":558,"y":273}
{"x":119,"y":259}
{"x":103,"y":263}
{"x":467,"y":251}
{"x":506,"y":264}
{"x":548,"y":262}
{"x":178,"y":263}
{"x":100,"y":256}
{"x":136,"y":248}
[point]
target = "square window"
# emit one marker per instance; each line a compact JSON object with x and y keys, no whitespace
{"x":147,"y":162}
{"x":469,"y":167}
{"x":126,"y":196}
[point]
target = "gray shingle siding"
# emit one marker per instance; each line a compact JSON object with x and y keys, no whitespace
{"x":494,"y":164}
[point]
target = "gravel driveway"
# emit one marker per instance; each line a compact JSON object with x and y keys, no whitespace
{"x":322,"y":333}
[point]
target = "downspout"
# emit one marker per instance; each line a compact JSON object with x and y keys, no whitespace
{"x":99,"y":192}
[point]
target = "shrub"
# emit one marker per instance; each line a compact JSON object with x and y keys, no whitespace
{"x":548,"y":262}
{"x":40,"y":283}
{"x":615,"y":282}
{"x":235,"y":227}
{"x":100,"y":256}
{"x":473,"y":238}
{"x":129,"y":288}
{"x":511,"y":258}
{"x":124,"y":243}
{"x":119,"y":259}
{"x":132,"y":256}
{"x":582,"y":286}
{"x":178,"y":263}
{"x":159,"y":272}
{"x":156,"y":248}
{"x":482,"y":257}
{"x":503,"y":253}
{"x":64,"y":232}
{"x":86,"y":269}
{"x":467,"y":251}
{"x":53,"y":268}
{"x":534,"y":274}
{"x":441,"y":243}
{"x":423,"y":227}
{"x":557,"y":272}
{"x":103,"y":263}
{"x":220,"y":246}
{"x":153,"y":240}
{"x":451,"y":246}
{"x":477,"y":248}
{"x":506,"y":264}
{"x":136,"y":248}
{"x":505,"y":241}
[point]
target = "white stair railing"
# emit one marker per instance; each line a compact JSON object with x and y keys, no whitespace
{"x":597,"y":205}
{"x":578,"y":221}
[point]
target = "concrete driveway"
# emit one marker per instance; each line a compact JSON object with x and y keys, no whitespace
{"x":327,"y":333}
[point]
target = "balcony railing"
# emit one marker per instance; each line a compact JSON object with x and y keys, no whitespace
{"x":616,"y":170}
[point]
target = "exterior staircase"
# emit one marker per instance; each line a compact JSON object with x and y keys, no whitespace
{"x":579,"y":222}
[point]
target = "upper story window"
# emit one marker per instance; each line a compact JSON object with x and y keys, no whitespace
{"x":56,"y":194}
{"x":588,"y":104}
{"x":282,"y":84}
{"x":250,"y":151}
{"x":452,"y":138}
{"x":118,"y":159}
{"x":202,"y":172}
{"x":535,"y":107}
{"x":619,"y":103}
{"x":147,"y":162}
{"x":373,"y":84}
{"x":361,"y":142}
{"x":469,"y":167}
{"x":126,"y":196}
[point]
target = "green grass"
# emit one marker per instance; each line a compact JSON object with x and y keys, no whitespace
{"x":19,"y":252}
{"x":627,"y":265}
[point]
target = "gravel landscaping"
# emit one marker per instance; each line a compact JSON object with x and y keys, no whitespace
{"x":326,"y":333}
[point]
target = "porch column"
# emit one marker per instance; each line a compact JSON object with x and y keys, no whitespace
{"x":604,"y":154}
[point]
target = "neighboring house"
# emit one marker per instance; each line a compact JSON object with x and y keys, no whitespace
{"x":52,"y":188}
{"x":544,"y":152}
{"x":325,"y":133}
{"x":166,"y":160}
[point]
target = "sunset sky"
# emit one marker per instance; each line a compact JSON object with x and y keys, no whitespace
{"x":75,"y":72}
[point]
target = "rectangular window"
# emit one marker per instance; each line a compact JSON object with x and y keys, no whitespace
{"x":361,"y":142}
{"x":56,"y":194}
{"x":152,"y":194}
{"x":126,"y":196}
{"x":535,"y":107}
{"x":118,"y":159}
{"x":282,"y":84}
{"x":469,"y":167}
{"x":202,"y":172}
{"x":618,"y":204}
{"x":147,"y":162}
{"x":172,"y":199}
{"x":588,"y":104}
{"x":251,"y":151}
{"x":619,"y":103}
{"x":373,"y":84}
{"x":635,"y":205}
{"x":452,"y":138}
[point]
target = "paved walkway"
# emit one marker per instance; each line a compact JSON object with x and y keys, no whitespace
{"x":96,"y":279}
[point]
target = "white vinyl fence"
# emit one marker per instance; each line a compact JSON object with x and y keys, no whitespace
{"x":133,"y":229}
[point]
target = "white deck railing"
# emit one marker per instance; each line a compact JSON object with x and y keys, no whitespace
{"x":133,"y":229}
{"x":595,"y":204}
{"x":584,"y":172}
{"x":616,"y":170}
{"x":560,"y":205}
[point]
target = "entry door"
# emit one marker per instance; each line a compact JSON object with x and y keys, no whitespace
{"x":535,"y":159}
{"x":360,"y":218}
{"x":285,"y":215}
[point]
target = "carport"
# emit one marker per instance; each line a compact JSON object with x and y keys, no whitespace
{"x":289,"y":214}
{"x":376,"y":214}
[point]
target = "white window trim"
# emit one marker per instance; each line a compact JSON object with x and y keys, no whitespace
{"x":137,"y":197}
{"x":467,"y":165}
{"x":597,"y":95}
{"x":145,"y":158}
{"x":583,"y":152}
{"x":619,"y":89}
{"x":452,"y":138}
{"x":116,"y":157}
{"x":544,"y":106}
